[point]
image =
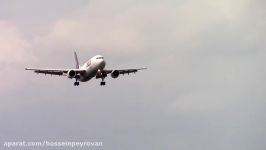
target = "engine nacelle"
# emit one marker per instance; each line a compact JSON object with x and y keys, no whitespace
{"x":114,"y":73}
{"x":71,"y":74}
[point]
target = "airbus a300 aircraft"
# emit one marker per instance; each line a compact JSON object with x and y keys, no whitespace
{"x":92,"y":68}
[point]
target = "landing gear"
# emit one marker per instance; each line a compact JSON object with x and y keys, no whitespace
{"x":76,"y":83}
{"x":102,"y":83}
{"x":101,"y":74}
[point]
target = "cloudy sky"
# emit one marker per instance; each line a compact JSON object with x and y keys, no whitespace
{"x":204,"y":88}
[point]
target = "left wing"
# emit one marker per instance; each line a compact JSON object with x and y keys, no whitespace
{"x":124,"y":71}
{"x":55,"y":71}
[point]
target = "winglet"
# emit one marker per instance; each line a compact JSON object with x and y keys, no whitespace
{"x":76,"y":60}
{"x":142,"y":68}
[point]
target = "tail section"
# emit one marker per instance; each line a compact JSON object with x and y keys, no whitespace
{"x":76,"y":60}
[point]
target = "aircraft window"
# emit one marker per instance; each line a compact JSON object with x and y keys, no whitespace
{"x":88,"y":63}
{"x":99,"y":58}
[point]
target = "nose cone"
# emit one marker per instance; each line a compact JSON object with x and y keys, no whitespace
{"x":102,"y":63}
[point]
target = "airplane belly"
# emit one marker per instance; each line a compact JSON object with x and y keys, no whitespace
{"x":88,"y":75}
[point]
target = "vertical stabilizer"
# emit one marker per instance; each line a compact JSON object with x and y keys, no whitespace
{"x":76,"y":60}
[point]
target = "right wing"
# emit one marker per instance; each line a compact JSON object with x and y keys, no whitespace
{"x":55,"y":71}
{"x":60,"y":72}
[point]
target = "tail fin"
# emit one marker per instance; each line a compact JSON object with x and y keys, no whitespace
{"x":76,"y":60}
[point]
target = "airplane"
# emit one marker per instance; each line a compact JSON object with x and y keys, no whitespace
{"x":94,"y":67}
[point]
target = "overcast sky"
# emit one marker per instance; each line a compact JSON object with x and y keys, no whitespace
{"x":204,"y":88}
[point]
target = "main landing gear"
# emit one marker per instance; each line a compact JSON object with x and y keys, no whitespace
{"x":76,"y":83}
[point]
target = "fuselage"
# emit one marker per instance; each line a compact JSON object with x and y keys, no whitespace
{"x":93,"y":66}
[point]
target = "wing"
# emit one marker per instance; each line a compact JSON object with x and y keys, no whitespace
{"x":55,"y":71}
{"x":124,"y":71}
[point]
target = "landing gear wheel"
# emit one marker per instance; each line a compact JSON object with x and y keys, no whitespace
{"x":102,"y":83}
{"x":76,"y":83}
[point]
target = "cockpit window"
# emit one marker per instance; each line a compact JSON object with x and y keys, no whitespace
{"x":99,"y":58}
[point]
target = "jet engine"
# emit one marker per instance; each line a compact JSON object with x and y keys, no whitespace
{"x":114,"y":73}
{"x":71,"y":74}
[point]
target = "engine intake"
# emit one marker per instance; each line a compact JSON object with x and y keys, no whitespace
{"x":71,"y":74}
{"x":114,"y":73}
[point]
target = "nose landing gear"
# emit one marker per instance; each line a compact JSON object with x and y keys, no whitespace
{"x":102,"y":75}
{"x":102,"y":83}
